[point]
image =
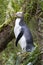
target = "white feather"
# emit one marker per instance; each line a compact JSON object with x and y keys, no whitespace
{"x":22,"y":42}
{"x":17,"y":27}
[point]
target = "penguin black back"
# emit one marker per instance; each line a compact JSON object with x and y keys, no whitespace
{"x":28,"y":35}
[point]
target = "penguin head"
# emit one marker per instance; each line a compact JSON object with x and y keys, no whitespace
{"x":19,"y":14}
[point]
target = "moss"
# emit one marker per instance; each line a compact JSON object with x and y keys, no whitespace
{"x":8,"y":56}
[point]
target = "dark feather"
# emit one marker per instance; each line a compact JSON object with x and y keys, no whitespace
{"x":19,"y":36}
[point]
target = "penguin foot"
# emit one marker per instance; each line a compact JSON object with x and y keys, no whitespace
{"x":30,"y":63}
{"x":18,"y":53}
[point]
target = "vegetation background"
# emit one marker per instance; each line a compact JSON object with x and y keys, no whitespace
{"x":33,"y":16}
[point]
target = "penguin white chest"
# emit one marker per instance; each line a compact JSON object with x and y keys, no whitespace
{"x":22,"y":42}
{"x":17,"y":27}
{"x":17,"y":30}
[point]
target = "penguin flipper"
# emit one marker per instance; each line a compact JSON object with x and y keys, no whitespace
{"x":19,"y":36}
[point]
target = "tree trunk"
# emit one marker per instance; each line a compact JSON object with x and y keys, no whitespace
{"x":6,"y":35}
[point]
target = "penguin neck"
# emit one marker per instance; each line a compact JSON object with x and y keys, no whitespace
{"x":18,"y":20}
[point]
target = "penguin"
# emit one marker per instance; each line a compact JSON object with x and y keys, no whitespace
{"x":23,"y":34}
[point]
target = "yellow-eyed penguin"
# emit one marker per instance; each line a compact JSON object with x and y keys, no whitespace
{"x":23,"y":34}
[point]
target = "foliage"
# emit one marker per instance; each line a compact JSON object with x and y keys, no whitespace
{"x":9,"y":55}
{"x":3,"y":7}
{"x":41,"y":4}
